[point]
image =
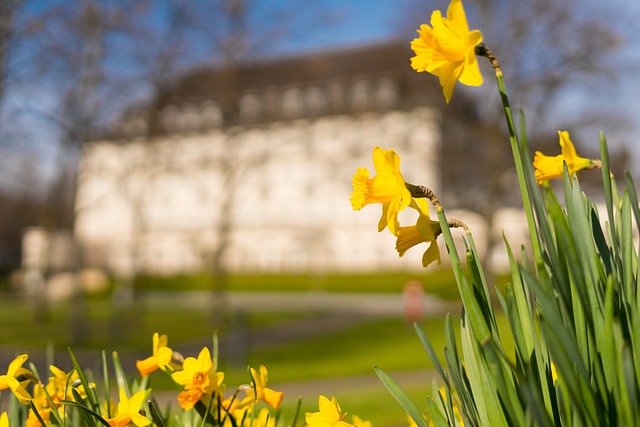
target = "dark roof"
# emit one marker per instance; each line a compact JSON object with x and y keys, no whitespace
{"x":335,"y":73}
{"x":390,"y":59}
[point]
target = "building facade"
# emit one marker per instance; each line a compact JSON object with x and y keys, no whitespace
{"x":263,"y":186}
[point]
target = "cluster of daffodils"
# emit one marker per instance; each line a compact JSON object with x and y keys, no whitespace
{"x":47,"y":402}
{"x":389,"y":188}
{"x":484,"y":386}
{"x":68,"y":396}
{"x":203,"y":387}
{"x":448,"y":50}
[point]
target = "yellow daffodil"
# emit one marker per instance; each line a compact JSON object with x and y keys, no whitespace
{"x":425,"y":230}
{"x":387,"y":187}
{"x":359,"y":422}
{"x":41,"y":403}
{"x":61,"y":383}
{"x":264,"y":419}
{"x":160,"y":358}
{"x":330,"y":414}
{"x":188,"y":398}
{"x":447,"y":49}
{"x":4,"y":420}
{"x":199,"y":378}
{"x":17,"y":378}
{"x":262,"y":392}
{"x":550,"y":167}
{"x":129,"y":410}
{"x":199,"y":373}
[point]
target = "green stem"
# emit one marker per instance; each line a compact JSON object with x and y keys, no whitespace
{"x":482,"y":50}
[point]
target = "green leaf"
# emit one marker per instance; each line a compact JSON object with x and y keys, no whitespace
{"x":481,"y":381}
{"x":401,"y":397}
{"x":606,"y":179}
{"x":91,"y":393}
{"x":469,"y":301}
{"x":435,"y":415}
{"x":107,"y":383}
{"x":297,"y":413}
{"x":86,"y":411}
{"x":121,"y":376}
{"x":155,"y":414}
{"x":430,"y":351}
{"x":36,"y":413}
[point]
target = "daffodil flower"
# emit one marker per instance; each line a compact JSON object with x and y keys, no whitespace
{"x":387,"y":187}
{"x":330,"y":414}
{"x":425,"y":230}
{"x":16,"y":379}
{"x":550,"y":167}
{"x":41,"y":403}
{"x":262,"y":392}
{"x":61,"y":383}
{"x":199,"y":378}
{"x":129,"y":410}
{"x":359,"y":422}
{"x":160,"y":358}
{"x":188,"y":398}
{"x":4,"y":420}
{"x":447,"y":49}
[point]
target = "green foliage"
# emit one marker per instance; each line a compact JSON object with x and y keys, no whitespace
{"x":572,"y":311}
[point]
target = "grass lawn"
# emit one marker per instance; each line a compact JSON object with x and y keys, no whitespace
{"x":349,"y":351}
{"x":439,"y":282}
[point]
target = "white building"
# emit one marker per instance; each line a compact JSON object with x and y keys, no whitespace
{"x":273,"y":176}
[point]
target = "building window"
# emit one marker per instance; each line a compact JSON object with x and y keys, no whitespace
{"x":387,"y":95}
{"x":360,"y":95}
{"x":291,"y":103}
{"x":249,"y":108}
{"x":189,"y":118}
{"x":335,"y":96}
{"x":314,"y":101}
{"x":169,"y":118}
{"x":135,"y":124}
{"x":210,"y":114}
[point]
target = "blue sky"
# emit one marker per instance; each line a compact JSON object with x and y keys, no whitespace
{"x":355,"y":22}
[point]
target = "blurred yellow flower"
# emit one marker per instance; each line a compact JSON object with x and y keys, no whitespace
{"x":188,"y":398}
{"x":17,"y":378}
{"x":425,"y":230}
{"x":129,"y":410}
{"x":262,"y":392}
{"x":330,"y":414}
{"x":41,"y":403}
{"x":359,"y":422}
{"x":263,"y":419}
{"x":447,"y":49}
{"x":61,"y":383}
{"x":550,"y":167}
{"x":387,"y":187}
{"x":4,"y":420}
{"x":160,"y":358}
{"x":554,"y":373}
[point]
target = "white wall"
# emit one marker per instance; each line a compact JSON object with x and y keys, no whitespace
{"x":155,"y":204}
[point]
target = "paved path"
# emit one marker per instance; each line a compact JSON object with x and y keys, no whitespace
{"x":363,"y":303}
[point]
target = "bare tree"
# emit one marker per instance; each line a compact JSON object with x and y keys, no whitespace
{"x":68,"y":56}
{"x":224,"y":36}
